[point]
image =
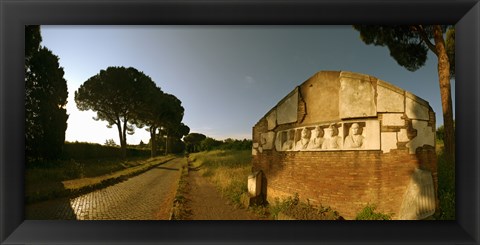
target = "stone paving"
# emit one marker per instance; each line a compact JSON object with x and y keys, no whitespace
{"x":148,"y":196}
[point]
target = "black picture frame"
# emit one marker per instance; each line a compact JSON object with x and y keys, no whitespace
{"x":16,"y":14}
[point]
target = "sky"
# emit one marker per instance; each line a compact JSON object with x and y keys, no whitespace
{"x":227,"y":77}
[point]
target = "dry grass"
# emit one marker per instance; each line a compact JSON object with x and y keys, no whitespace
{"x":227,"y":169}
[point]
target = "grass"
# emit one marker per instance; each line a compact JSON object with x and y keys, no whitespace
{"x":48,"y":180}
{"x":227,"y":169}
{"x":293,"y":208}
{"x":368,"y":213}
{"x":446,"y":185}
{"x":179,"y":211}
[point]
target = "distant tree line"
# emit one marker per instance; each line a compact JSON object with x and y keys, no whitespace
{"x":84,"y":150}
{"x":195,"y":142}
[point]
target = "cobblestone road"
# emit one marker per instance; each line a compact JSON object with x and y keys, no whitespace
{"x":148,"y":196}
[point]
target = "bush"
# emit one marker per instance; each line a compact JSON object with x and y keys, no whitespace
{"x":368,"y":213}
{"x":282,"y":205}
{"x":294,"y":208}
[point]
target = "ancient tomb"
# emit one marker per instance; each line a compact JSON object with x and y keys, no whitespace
{"x":345,"y":140}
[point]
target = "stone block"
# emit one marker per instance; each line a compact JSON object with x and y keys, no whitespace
{"x":278,"y":141}
{"x":389,"y":99}
{"x":254,"y":152}
{"x":255,"y":145}
{"x":354,"y":75}
{"x":415,"y":109}
{"x":320,"y":94}
{"x":419,"y":199}
{"x":402,"y":136}
{"x":425,"y":136}
{"x":356,"y":98}
{"x":272,"y":120}
{"x":267,"y":140}
{"x":287,"y":109}
{"x":255,"y":184}
{"x":389,"y":141}
{"x":372,"y":135}
{"x":394,"y":119}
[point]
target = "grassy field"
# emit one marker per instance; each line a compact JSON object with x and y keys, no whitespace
{"x":53,"y":179}
{"x":227,"y":169}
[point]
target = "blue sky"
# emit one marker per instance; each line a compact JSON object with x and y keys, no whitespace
{"x":227,"y":77}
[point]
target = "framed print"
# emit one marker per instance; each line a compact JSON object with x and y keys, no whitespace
{"x":351,"y":127}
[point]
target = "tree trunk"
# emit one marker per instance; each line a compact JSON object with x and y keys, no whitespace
{"x":445,"y":93}
{"x":124,"y":139}
{"x":153,"y":140}
{"x":123,"y":149}
{"x":166,"y":144}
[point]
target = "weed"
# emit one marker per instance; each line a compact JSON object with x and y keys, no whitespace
{"x":281,"y":206}
{"x":260,"y":210}
{"x":368,"y":213}
{"x":235,"y":190}
{"x":296,"y":209}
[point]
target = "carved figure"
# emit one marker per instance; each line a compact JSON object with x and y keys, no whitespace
{"x":317,"y":139}
{"x":355,"y":138}
{"x":303,"y":142}
{"x":332,"y":140}
{"x":289,"y":143}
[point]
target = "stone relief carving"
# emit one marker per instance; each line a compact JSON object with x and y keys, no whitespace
{"x":316,"y":139}
{"x":333,"y":136}
{"x":332,"y":140}
{"x":288,"y":140}
{"x":302,"y":143}
{"x":354,"y":138}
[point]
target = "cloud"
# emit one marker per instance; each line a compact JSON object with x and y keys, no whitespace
{"x":249,"y":80}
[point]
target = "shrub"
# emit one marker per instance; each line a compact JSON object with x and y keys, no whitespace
{"x":294,"y":208}
{"x":368,"y":213}
{"x":283,"y":205}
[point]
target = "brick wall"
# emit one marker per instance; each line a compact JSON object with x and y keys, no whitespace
{"x":343,"y":180}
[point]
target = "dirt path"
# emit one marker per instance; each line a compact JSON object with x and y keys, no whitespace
{"x":204,"y":202}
